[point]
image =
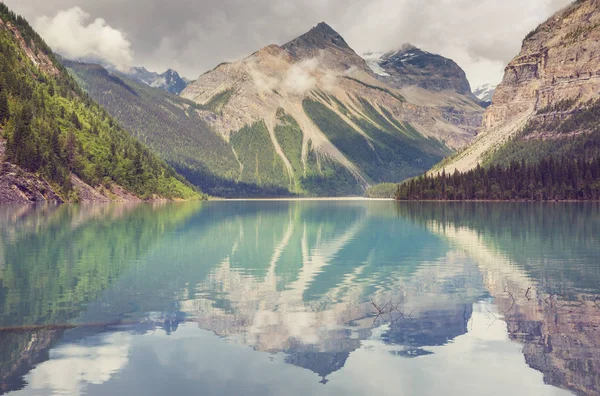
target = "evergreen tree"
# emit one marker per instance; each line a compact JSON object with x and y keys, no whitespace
{"x":4,"y":110}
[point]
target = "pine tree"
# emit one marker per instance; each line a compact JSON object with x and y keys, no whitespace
{"x":4,"y":109}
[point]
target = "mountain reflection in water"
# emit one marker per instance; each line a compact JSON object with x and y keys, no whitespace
{"x":368,"y":297}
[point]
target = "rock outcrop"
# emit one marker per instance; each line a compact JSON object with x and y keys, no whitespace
{"x":558,"y":66}
{"x":412,"y":66}
{"x":18,"y":186}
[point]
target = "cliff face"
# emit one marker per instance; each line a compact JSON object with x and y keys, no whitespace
{"x":559,"y":60}
{"x":555,"y":75}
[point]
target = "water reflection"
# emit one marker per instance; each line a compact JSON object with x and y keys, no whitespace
{"x":283,"y":297}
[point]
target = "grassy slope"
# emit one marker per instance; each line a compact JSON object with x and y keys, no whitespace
{"x":255,"y":150}
{"x":394,"y":152}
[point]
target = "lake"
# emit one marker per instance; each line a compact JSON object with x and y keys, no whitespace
{"x":300,"y":297}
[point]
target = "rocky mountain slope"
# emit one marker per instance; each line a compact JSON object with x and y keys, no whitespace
{"x":312,"y":117}
{"x":411,"y":66}
{"x":432,"y":81}
{"x":547,"y":103}
{"x":169,"y":81}
{"x":56,"y":144}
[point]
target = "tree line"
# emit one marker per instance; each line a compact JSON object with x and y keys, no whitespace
{"x":551,"y":179}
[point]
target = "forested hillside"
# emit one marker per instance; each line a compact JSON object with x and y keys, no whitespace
{"x":53,"y":129}
{"x":550,"y":179}
{"x":172,"y":128}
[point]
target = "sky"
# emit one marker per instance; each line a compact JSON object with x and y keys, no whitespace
{"x":193,"y":36}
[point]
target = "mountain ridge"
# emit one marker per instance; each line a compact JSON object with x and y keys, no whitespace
{"x":318,"y":77}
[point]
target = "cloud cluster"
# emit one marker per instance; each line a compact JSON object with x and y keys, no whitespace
{"x":194,"y":36}
{"x":292,"y":79}
{"x":69,"y":33}
{"x":301,"y":78}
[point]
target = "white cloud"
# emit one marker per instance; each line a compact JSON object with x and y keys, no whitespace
{"x":300,"y":78}
{"x":69,"y":34}
{"x":73,"y":366}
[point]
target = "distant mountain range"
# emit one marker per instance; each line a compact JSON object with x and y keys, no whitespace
{"x":411,"y":66}
{"x":169,"y":81}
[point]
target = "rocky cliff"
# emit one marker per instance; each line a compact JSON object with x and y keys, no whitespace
{"x":555,"y":76}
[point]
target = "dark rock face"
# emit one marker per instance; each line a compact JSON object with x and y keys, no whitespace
{"x":322,"y":40}
{"x":174,"y":83}
{"x":321,"y":36}
{"x":169,"y":81}
{"x":413,"y":66}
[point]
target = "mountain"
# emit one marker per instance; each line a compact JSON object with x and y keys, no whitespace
{"x":485,"y":92}
{"x":169,"y":81}
{"x":547,"y":104}
{"x":172,"y":128}
{"x":435,"y":82}
{"x":411,"y":66}
{"x":56,"y":144}
{"x":310,"y":116}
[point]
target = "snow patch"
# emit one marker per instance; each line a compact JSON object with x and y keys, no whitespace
{"x":373,"y":59}
{"x":485,"y":92}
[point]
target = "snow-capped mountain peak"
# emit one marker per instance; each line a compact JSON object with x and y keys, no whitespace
{"x":485,"y":92}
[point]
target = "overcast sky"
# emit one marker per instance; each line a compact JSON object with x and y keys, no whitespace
{"x":193,"y":36}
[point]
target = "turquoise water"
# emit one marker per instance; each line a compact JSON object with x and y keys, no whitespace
{"x":300,"y":297}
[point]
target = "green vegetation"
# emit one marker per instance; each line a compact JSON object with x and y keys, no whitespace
{"x":577,"y":135}
{"x":218,"y":101}
{"x":382,"y":190}
{"x":389,"y":154}
{"x":255,"y":150}
{"x":343,"y":136}
{"x":322,"y":177}
{"x":327,"y":178}
{"x":53,"y":128}
{"x":290,"y":138}
{"x":550,"y":179}
{"x":560,"y":165}
{"x":169,"y":125}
